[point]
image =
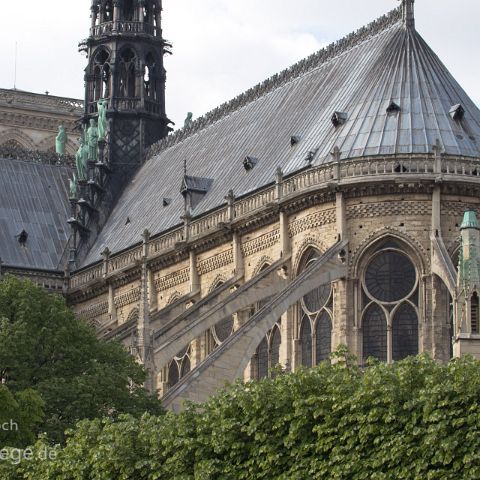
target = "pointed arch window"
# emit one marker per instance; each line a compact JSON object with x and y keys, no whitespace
{"x":102,"y":78}
{"x":179,"y":367}
{"x":128,"y":10}
{"x":127,"y":85}
{"x":315,"y":309}
{"x":267,"y":355}
{"x":390,"y":296}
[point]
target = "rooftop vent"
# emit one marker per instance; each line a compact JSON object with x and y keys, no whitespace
{"x":393,"y":108}
{"x":294,"y":140}
{"x":249,"y":163}
{"x":22,"y":237}
{"x":127,"y":222}
{"x":457,"y":112}
{"x":166,"y":202}
{"x":339,"y":118}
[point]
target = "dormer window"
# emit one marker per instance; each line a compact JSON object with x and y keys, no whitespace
{"x":339,"y":118}
{"x":393,"y":108}
{"x":249,"y":163}
{"x":457,"y":112}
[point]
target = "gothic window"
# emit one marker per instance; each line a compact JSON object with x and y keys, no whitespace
{"x":275,"y":342}
{"x":474,"y":308}
{"x":128,"y":10}
{"x":267,"y":355}
{"x":127,"y":74}
{"x":147,"y":13}
{"x":316,"y":318}
{"x":219,"y":332}
{"x":173,"y":374}
{"x":261,"y":360}
{"x":405,"y":332}
{"x":306,"y":341}
{"x":178,"y":367}
{"x":102,"y":75}
{"x":323,"y":337}
{"x":375,"y":333}
{"x":149,"y":78}
{"x":107,"y":11}
{"x":390,"y":296}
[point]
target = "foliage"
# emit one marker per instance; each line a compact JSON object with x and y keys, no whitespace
{"x":410,"y":420}
{"x":43,"y":347}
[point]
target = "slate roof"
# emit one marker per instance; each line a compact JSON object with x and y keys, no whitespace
{"x":34,"y":199}
{"x":359,"y":76}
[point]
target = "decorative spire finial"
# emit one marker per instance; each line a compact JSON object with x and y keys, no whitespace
{"x":409,"y":13}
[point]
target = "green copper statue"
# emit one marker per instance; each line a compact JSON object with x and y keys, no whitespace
{"x":188,"y":120}
{"x":81,"y":158}
{"x":102,"y":118}
{"x":92,"y":140}
{"x":73,"y":186}
{"x":61,"y":140}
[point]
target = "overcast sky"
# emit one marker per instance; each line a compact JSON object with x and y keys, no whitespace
{"x":223,"y":47}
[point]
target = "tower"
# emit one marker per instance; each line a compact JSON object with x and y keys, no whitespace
{"x":467,"y":327}
{"x":125,"y":51}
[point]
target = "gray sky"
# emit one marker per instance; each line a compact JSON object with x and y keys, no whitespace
{"x":223,"y":47}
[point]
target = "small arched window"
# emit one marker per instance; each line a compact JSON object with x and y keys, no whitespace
{"x":127,"y":87}
{"x":474,"y":311}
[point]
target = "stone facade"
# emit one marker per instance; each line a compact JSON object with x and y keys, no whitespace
{"x":197,"y":285}
{"x":30,"y":120}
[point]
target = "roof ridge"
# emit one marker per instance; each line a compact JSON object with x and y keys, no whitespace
{"x":305,"y":65}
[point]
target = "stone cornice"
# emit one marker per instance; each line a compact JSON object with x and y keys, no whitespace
{"x":371,"y":176}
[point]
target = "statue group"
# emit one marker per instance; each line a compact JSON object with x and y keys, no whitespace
{"x":88,"y":149}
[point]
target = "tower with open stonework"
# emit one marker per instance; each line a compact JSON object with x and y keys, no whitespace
{"x":125,"y":66}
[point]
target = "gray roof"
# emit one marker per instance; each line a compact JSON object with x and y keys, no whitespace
{"x":359,"y":76}
{"x":34,"y":199}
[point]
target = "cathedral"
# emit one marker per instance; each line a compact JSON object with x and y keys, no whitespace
{"x":333,"y":204}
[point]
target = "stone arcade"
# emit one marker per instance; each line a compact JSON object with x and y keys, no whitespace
{"x":328,"y":205}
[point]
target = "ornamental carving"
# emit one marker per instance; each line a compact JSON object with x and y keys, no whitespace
{"x":215,"y":262}
{"x":260,"y":243}
{"x":315,"y":220}
{"x":127,"y":298}
{"x":94,"y":311}
{"x":172,"y":279}
{"x":394,"y":208}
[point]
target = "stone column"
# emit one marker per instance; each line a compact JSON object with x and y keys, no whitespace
{"x":194,"y":277}
{"x":238,"y":255}
{"x":441,"y":334}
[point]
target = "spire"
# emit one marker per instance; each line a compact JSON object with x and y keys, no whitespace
{"x":408,"y":13}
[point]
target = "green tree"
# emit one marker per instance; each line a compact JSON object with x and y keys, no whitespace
{"x":44,"y":347}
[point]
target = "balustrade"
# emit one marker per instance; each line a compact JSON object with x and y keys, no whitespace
{"x":107,"y":28}
{"x":314,"y":177}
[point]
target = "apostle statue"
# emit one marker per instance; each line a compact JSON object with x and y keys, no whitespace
{"x":81,"y":159}
{"x":92,"y":140}
{"x":102,"y":118}
{"x":61,"y":140}
{"x":188,"y":120}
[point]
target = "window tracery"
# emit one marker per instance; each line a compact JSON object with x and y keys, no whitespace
{"x":315,"y":313}
{"x":390,"y":300}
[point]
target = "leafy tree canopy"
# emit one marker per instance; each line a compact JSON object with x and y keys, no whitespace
{"x":414,"y":420}
{"x":45,"y":349}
